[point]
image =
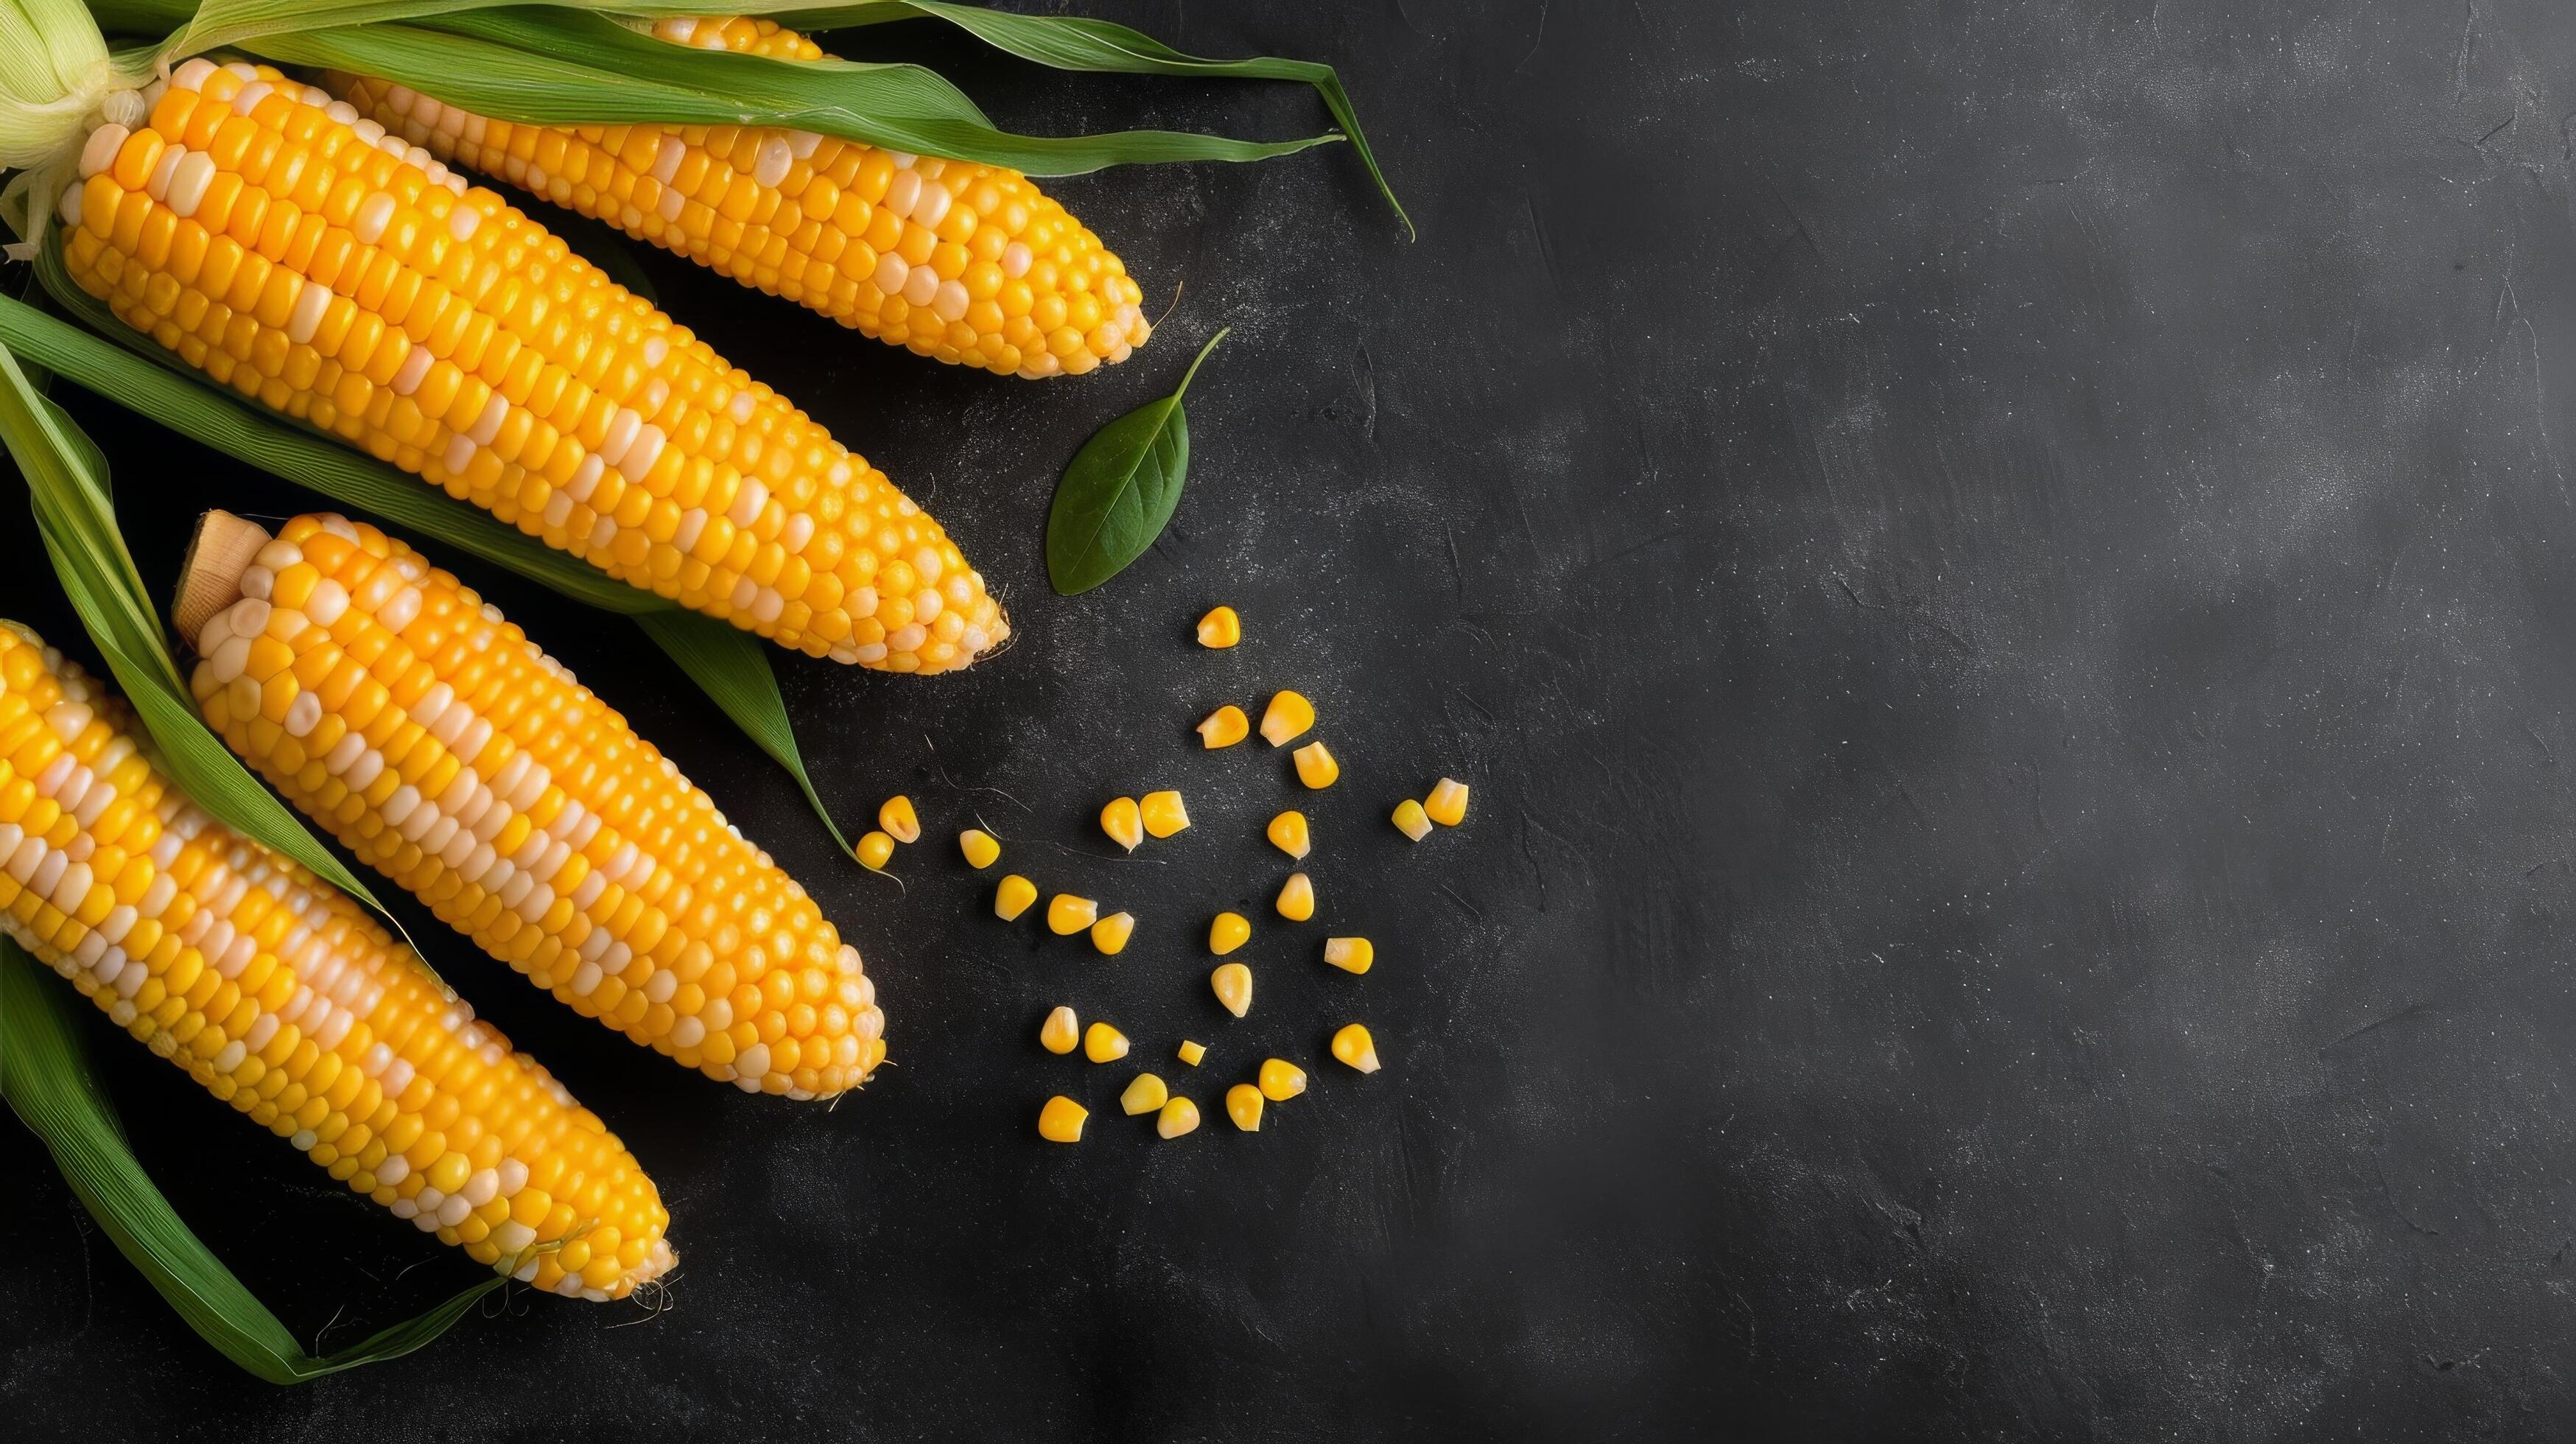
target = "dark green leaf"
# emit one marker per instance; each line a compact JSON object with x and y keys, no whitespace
{"x":45,"y":1074}
{"x":732,"y":667}
{"x":1120,"y":490}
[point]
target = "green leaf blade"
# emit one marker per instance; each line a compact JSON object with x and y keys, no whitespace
{"x":732,"y":667}
{"x":1120,"y":490}
{"x":46,"y":1077}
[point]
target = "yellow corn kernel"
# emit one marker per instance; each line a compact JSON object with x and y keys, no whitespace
{"x":875,"y":851}
{"x":1163,"y":813}
{"x":1287,"y":718}
{"x":1067,"y":914}
{"x":1111,"y":933}
{"x":1297,"y":898}
{"x":436,"y":326}
{"x":1447,"y":804}
{"x":1288,"y":834}
{"x":1179,"y":1116}
{"x":195,"y":939}
{"x":1411,"y":820}
{"x":1354,"y":1046}
{"x":1220,"y":628}
{"x":1243,"y":1105}
{"x":981,"y":848}
{"x":1233,"y":985}
{"x":1191,"y":1053}
{"x":898,"y":818}
{"x":1281,"y":1080}
{"x":1228,"y":932}
{"x":1061,"y":1120}
{"x":1224,"y":727}
{"x":1351,"y":955}
{"x":1013,"y":896}
{"x":968,"y":264}
{"x":1146,"y":1095}
{"x":1124,"y":823}
{"x":1315,"y":766}
{"x":1060,"y":1032}
{"x":1103,"y":1044}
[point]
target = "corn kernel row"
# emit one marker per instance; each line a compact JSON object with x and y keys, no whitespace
{"x":393,"y":706}
{"x":967,"y":264}
{"x":294,"y":251}
{"x":283,"y":999}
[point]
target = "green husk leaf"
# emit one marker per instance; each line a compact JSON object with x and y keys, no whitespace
{"x":566,"y":63}
{"x":78,"y":524}
{"x":1120,"y":490}
{"x":46,"y":1076}
{"x":732,"y":667}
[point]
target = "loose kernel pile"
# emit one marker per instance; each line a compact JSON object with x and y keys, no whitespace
{"x":1061,"y":1120}
{"x":1353,"y":1046}
{"x":1224,"y":727}
{"x":1228,"y":932}
{"x":1220,"y":628}
{"x":291,"y":249}
{"x":1061,"y":1032}
{"x":1232,"y":983}
{"x":1103,"y":1044}
{"x":1145,"y":1095}
{"x":1288,"y":717}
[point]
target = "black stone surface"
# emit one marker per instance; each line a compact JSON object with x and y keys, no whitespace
{"x":2000,"y":571}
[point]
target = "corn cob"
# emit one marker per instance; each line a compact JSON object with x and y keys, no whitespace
{"x":283,"y":999}
{"x":402,"y":713}
{"x":290,"y":249}
{"x":968,"y":264}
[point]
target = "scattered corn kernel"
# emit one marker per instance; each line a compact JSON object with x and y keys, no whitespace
{"x":1061,"y":1120}
{"x":1297,"y":898}
{"x":1060,"y":1032}
{"x":982,"y":849}
{"x":1179,"y":1116}
{"x":1191,"y":1053}
{"x":1286,"y":718}
{"x":1067,"y":914}
{"x":1220,"y":628}
{"x":1164,"y":813}
{"x":1111,"y":933}
{"x":1281,"y":1080}
{"x":1243,"y":1105}
{"x":1354,"y":1046}
{"x":1447,"y":804}
{"x":875,"y":851}
{"x":1233,"y":985}
{"x":1013,"y":896}
{"x":1103,"y":1044}
{"x":1351,"y":955}
{"x":1411,"y":820}
{"x":1228,"y":932}
{"x":1224,"y":727}
{"x":1315,"y":766}
{"x":1145,"y":1095}
{"x":1288,"y":834}
{"x":898,"y":818}
{"x":1120,"y":819}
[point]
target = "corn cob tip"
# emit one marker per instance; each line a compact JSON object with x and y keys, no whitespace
{"x":210,"y":574}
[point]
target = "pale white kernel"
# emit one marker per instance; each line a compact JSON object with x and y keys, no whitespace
{"x":100,"y":151}
{"x":374,"y":214}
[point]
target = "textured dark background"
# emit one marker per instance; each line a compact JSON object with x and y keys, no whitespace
{"x":2001,"y":573}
